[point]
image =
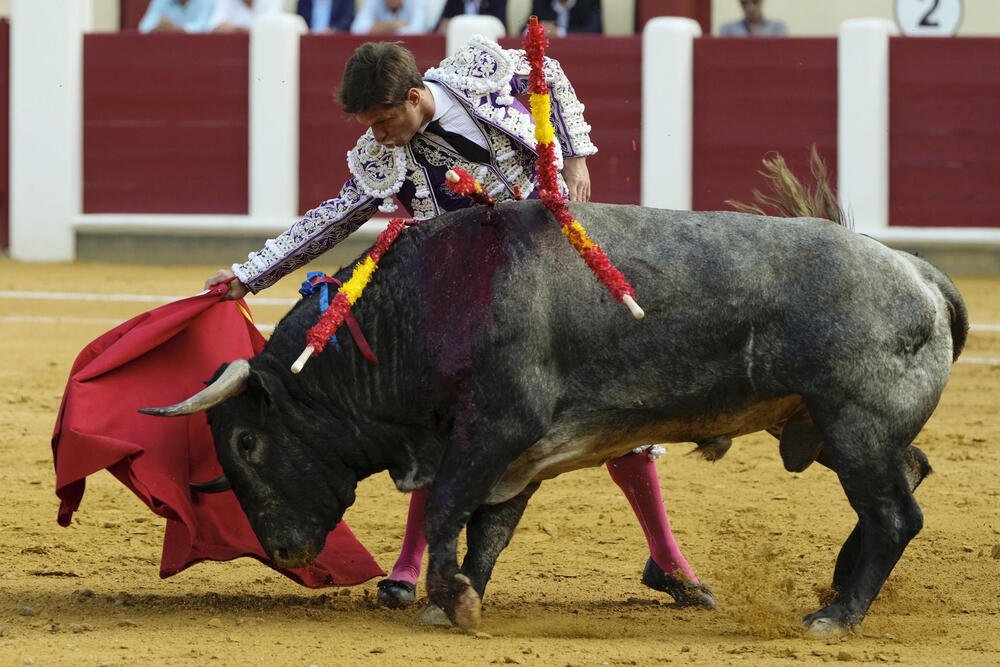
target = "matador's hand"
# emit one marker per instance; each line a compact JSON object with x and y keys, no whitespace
{"x":577,"y":178}
{"x":237,"y":290}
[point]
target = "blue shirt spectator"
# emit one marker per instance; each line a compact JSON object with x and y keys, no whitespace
{"x":178,"y":15}
{"x":400,"y":17}
{"x":327,"y":15}
{"x":754,"y":24}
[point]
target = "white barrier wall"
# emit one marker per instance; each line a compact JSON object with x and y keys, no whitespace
{"x":46,"y":120}
{"x":667,"y":102}
{"x":274,"y":115}
{"x":461,"y":28}
{"x":863,"y":121}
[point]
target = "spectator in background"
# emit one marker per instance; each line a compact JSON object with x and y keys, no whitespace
{"x":327,"y":15}
{"x":389,"y":17}
{"x":235,"y":15}
{"x":753,"y":24}
{"x":178,"y":16}
{"x":565,"y":16}
{"x":453,"y":8}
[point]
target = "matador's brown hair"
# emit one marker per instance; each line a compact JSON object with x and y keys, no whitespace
{"x":378,"y":74}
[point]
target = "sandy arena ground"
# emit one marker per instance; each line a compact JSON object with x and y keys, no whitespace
{"x":567,"y":590}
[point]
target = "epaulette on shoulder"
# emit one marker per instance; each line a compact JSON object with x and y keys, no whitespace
{"x":481,"y":67}
{"x":378,"y":170}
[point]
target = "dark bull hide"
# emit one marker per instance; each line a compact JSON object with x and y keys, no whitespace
{"x":502,"y":362}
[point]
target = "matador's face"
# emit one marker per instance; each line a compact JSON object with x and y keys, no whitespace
{"x":394,"y":126}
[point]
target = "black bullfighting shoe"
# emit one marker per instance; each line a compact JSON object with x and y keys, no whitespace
{"x":684,"y":593}
{"x":396,"y":594}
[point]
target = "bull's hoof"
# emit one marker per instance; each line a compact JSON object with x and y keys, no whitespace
{"x":684,"y":593}
{"x":396,"y":594}
{"x":826,"y":627}
{"x":433,"y":615}
{"x":467,"y":606}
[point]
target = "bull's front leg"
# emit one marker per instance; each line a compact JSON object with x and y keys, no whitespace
{"x":449,"y":589}
{"x":449,"y":507}
{"x":488,"y":533}
{"x":482,"y":446}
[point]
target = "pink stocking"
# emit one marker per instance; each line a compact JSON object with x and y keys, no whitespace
{"x":411,"y":554}
{"x":636,"y":475}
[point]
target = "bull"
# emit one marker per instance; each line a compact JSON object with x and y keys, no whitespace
{"x":502,"y":363}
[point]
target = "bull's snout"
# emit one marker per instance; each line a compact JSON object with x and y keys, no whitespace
{"x":287,"y":539}
{"x":289,"y":558}
{"x":291,"y":548}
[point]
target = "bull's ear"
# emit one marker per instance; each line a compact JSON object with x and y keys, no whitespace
{"x":257,"y":386}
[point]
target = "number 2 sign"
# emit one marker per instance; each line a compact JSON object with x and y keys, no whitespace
{"x":929,"y":17}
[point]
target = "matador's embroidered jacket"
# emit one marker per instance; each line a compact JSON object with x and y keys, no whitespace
{"x":484,"y":79}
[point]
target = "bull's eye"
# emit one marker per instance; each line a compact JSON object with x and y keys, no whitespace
{"x":247,"y":445}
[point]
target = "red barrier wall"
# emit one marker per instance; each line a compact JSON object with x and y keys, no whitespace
{"x":165,"y":119}
{"x":754,"y":96}
{"x":944,"y":132}
{"x":165,"y":123}
{"x":132,"y":12}
{"x":4,"y":135}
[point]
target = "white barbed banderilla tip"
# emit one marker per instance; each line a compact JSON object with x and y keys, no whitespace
{"x":633,"y":307}
{"x":303,"y":358}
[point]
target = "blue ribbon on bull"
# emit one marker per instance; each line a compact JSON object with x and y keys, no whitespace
{"x":319,"y":280}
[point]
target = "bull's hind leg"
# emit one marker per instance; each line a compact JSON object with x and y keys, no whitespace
{"x":488,"y":533}
{"x":917,"y":467}
{"x":874,"y":477}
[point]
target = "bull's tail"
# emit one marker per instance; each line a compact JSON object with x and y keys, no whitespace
{"x":957,"y":312}
{"x":790,"y":199}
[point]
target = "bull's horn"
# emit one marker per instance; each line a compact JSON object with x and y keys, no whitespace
{"x":218,"y":485}
{"x":232,"y":381}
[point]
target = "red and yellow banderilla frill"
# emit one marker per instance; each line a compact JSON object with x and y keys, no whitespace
{"x":535,"y":42}
{"x":331,"y":319}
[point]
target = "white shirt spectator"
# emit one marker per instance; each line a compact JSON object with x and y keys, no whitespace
{"x":240,"y":14}
{"x":189,"y":16}
{"x":409,"y":12}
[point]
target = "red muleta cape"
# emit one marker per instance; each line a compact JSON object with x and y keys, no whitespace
{"x":159,"y":358}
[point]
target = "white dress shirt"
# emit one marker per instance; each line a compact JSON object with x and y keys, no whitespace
{"x":452,"y":116}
